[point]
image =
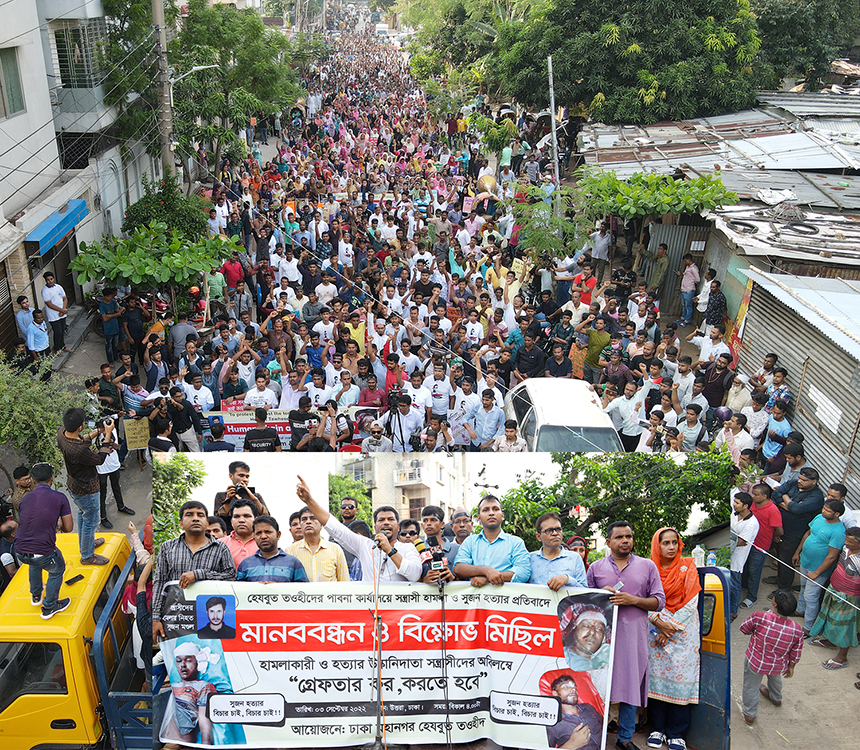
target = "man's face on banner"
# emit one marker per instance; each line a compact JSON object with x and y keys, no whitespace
{"x":187,"y":666}
{"x":567,"y":692}
{"x":587,"y":636}
{"x":215,"y":613}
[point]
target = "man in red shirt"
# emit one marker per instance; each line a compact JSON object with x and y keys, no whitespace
{"x":232,"y":270}
{"x":769,"y":530}
{"x":584,"y":283}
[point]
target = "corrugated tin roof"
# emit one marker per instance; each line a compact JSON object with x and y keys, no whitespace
{"x":749,"y":140}
{"x":807,"y":104}
{"x":826,"y":239}
{"x":813,"y":189}
{"x":832,"y":306}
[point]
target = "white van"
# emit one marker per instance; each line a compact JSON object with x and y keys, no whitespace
{"x":560,"y":415}
{"x":382,"y":29}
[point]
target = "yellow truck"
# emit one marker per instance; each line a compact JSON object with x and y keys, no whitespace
{"x":72,"y":682}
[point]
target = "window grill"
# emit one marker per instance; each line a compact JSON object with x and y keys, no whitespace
{"x":76,"y":46}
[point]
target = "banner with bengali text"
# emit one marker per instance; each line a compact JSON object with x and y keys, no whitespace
{"x":296,"y":665}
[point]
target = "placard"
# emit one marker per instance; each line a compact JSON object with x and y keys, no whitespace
{"x":136,"y":433}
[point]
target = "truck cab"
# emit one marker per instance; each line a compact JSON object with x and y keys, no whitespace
{"x":60,"y":678}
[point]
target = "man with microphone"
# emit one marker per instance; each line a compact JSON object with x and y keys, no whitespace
{"x":439,"y":550}
{"x":381,"y":556}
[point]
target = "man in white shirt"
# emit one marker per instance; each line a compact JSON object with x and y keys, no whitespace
{"x":389,"y":231}
{"x":408,"y":360}
{"x":288,"y":267}
{"x":601,"y":243}
{"x":712,"y":346}
{"x":326,"y":291}
{"x":56,"y":308}
{"x":422,"y":399}
{"x":736,"y":428}
{"x":292,"y":392}
{"x":317,"y":389}
{"x":199,"y":395}
{"x":382,"y":558}
{"x":744,"y":529}
{"x":260,"y":396}
{"x":401,"y":422}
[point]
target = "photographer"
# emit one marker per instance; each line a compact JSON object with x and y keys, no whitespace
{"x":109,"y":470}
{"x":82,"y":478}
{"x":239,"y":474}
{"x":651,"y":440}
{"x":401,"y":423}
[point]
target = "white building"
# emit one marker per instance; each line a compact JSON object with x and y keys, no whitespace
{"x":62,"y":178}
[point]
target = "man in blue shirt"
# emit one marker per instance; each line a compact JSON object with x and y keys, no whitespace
{"x":492,"y":556}
{"x":24,"y":316}
{"x":270,"y":564}
{"x":37,"y":336}
{"x":110,"y":311}
{"x":552,"y":565}
{"x":489,"y":422}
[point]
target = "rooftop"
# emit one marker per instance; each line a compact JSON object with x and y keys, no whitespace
{"x":832,"y":306}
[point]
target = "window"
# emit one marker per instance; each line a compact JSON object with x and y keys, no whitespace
{"x":30,"y":669}
{"x":77,"y":45}
{"x":102,"y":601}
{"x":11,"y":94}
{"x":708,"y":609}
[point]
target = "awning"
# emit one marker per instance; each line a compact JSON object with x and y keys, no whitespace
{"x":55,"y":227}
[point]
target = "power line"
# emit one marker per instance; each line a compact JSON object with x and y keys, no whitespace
{"x":45,"y":24}
{"x":82,"y":115}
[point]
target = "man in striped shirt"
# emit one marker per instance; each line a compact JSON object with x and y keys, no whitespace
{"x":323,"y":560}
{"x":269,"y":564}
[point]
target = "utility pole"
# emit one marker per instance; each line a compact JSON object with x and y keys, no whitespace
{"x":165,"y":113}
{"x":554,"y":137}
{"x":323,"y":16}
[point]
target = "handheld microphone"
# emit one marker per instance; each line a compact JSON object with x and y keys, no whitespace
{"x":423,"y":552}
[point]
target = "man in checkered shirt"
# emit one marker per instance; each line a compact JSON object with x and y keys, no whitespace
{"x":774,"y":648}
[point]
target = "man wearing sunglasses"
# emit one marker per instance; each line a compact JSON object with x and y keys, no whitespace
{"x":377,"y":442}
{"x":409,"y":531}
{"x":552,"y":564}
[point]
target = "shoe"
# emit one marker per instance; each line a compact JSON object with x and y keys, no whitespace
{"x":94,"y":560}
{"x":769,"y":580}
{"x":795,"y":588}
{"x":749,"y":719}
{"x":61,"y":604}
{"x":763,"y":689}
{"x":98,"y":541}
{"x":125,"y":509}
{"x":36,"y":602}
{"x":106,"y":523}
{"x":656,"y":739}
{"x":747,"y":603}
{"x":676,"y":744}
{"x":626,"y":745}
{"x":733,"y":617}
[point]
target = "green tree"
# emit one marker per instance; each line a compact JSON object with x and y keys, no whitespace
{"x":801,"y":38}
{"x":277,"y":8}
{"x":251,"y":75}
{"x":340,"y":486}
{"x":165,"y":202}
{"x":31,"y":410}
{"x":649,"y":491}
{"x":173,"y":481}
{"x":525,"y":503}
{"x":635,"y":62}
{"x":550,"y":229}
{"x":152,"y":256}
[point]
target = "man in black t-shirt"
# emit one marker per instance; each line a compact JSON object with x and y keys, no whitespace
{"x":262,"y":439}
{"x":302,"y":421}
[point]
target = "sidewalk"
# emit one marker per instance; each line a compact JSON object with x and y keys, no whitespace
{"x":816,"y":703}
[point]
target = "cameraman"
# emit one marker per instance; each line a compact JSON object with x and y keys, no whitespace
{"x":109,"y":470}
{"x":240,"y":475}
{"x":400,"y":425}
{"x":651,"y":440}
{"x":82,"y":478}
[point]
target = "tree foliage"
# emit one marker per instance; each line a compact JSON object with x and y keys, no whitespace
{"x":151,"y":257}
{"x":165,"y":202}
{"x":340,"y":486}
{"x":31,"y":410}
{"x":650,"y":194}
{"x":173,"y":481}
{"x":546,"y":232}
{"x":801,"y":38}
{"x":649,"y":491}
{"x":251,"y":74}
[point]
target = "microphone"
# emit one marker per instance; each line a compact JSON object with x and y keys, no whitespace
{"x":423,"y":552}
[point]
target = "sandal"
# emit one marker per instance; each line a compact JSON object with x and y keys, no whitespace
{"x":833,"y":665}
{"x":820,"y":642}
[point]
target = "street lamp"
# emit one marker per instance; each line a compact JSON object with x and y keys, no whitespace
{"x":196,"y":68}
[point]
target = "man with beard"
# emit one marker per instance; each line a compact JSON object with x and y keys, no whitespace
{"x":216,"y":627}
{"x":642,"y":593}
{"x":579,"y":726}
{"x":269,"y":564}
{"x":391,"y":560}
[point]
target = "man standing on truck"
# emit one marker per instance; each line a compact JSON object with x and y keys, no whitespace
{"x":192,"y":556}
{"x":36,"y":539}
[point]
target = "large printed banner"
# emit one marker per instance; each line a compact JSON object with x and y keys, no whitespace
{"x":297,"y":665}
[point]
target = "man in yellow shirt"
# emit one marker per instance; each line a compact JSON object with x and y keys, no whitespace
{"x":323,"y":560}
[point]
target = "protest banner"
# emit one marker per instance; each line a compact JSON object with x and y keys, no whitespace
{"x":237,"y":423}
{"x":298,"y":665}
{"x":136,"y":433}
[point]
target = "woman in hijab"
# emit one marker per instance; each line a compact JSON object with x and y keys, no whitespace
{"x":673,"y":658}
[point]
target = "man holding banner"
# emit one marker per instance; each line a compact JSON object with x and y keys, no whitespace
{"x":642,"y":593}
